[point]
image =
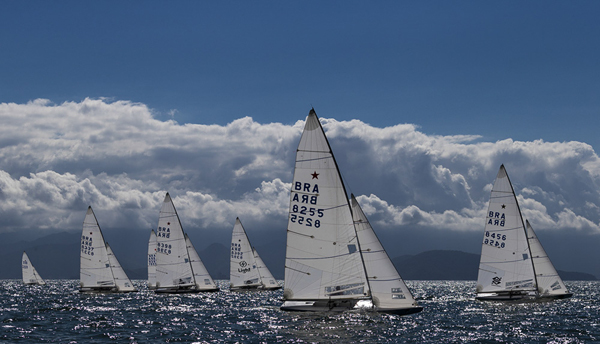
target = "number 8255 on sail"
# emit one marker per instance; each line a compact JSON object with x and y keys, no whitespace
{"x":306,"y":220}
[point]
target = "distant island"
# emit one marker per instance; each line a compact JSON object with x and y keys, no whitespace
{"x":455,"y":265}
{"x":56,"y":256}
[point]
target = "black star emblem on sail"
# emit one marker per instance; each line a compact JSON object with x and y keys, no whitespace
{"x":503,"y":206}
{"x":315,"y":175}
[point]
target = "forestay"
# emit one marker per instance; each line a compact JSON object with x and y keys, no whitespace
{"x":323,"y":260}
{"x":505,"y":263}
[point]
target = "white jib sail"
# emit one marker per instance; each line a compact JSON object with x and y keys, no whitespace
{"x":123,"y":282}
{"x":30,"y":274}
{"x":201,"y":275}
{"x":505,"y":263}
{"x":152,"y":260}
{"x":549,"y":282}
{"x":173,"y":268}
{"x":94,"y":269}
{"x":387,"y":287}
{"x":243,"y":271}
{"x":266,"y":278}
{"x":323,"y":260}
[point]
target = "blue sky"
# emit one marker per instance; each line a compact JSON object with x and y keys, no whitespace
{"x":421,"y":101}
{"x":511,"y":69}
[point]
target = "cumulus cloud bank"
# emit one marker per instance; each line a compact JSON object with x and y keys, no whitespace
{"x":56,"y":159}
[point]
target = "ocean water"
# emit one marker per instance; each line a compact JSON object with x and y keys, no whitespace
{"x":57,"y":313}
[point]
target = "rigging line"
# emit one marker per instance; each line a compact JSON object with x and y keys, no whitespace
{"x":319,"y":258}
{"x":307,"y":273}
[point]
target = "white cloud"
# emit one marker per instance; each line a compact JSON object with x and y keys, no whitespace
{"x":55,"y":159}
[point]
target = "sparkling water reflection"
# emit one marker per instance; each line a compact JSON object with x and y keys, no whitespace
{"x":57,"y":313}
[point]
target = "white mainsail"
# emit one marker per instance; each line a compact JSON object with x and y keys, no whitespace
{"x":30,"y":274}
{"x":323,"y":259}
{"x":123,"y":282}
{"x":549,"y":282}
{"x":152,"y":261}
{"x":388,"y":290}
{"x":201,"y":276}
{"x":95,"y":273}
{"x":243,"y":271}
{"x":505,"y":269}
{"x":266,"y":278}
{"x":173,"y":268}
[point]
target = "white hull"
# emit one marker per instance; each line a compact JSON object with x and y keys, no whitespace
{"x":524,"y":296}
{"x":343,"y":306}
{"x":320,"y":306}
{"x":253,"y":288}
{"x":182,"y":290}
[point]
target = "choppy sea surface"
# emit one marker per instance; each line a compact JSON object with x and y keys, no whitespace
{"x":58,"y":313}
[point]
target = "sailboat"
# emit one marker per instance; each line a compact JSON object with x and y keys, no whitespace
{"x":550,"y":285}
{"x":325,"y":269}
{"x":99,"y":269}
{"x":174,"y":268}
{"x":30,"y":274}
{"x":152,"y":261}
{"x":247,"y":270}
{"x":507,"y":270}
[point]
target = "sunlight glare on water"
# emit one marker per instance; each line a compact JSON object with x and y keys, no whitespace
{"x":58,"y":313}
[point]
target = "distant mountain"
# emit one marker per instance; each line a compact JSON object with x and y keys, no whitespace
{"x":454,"y":265}
{"x":57,"y":256}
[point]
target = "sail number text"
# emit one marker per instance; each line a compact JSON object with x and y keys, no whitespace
{"x":305,"y":214}
{"x":495,"y":239}
{"x":496,"y":219}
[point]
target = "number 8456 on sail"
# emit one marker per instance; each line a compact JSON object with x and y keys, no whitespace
{"x":495,"y":239}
